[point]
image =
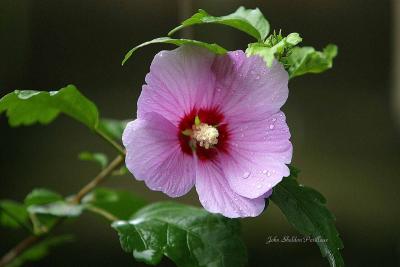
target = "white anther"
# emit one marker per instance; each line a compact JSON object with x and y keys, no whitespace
{"x":205,"y":134}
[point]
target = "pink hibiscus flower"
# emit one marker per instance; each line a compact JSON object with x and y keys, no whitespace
{"x":213,"y":122}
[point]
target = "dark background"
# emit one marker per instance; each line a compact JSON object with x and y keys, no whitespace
{"x":343,"y":125}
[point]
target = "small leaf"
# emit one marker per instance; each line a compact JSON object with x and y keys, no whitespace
{"x":267,"y":53}
{"x":305,"y":209}
{"x":275,"y":47}
{"x":40,"y":250}
{"x":121,"y":171}
{"x":119,"y":203}
{"x":29,"y":107}
{"x":250,"y":21}
{"x":179,"y":42}
{"x":42,"y":196}
{"x":293,"y":39}
{"x":12,"y":214}
{"x":98,"y":158}
{"x":113,"y":128}
{"x":187,"y":235}
{"x":304,"y":60}
{"x":59,"y":209}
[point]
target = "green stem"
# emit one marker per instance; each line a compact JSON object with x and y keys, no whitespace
{"x":103,"y":213}
{"x":98,"y":179}
{"x":33,"y":239}
{"x":117,"y":146}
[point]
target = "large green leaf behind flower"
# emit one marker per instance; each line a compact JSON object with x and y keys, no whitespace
{"x":187,"y":235}
{"x":305,"y":209}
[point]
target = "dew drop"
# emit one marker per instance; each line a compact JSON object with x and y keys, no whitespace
{"x":258,"y":186}
{"x":246,"y":175}
{"x":271,"y":126}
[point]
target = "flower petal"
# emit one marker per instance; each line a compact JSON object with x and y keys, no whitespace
{"x":216,"y":195}
{"x":178,"y":81}
{"x":246,"y":86}
{"x":259,"y":152}
{"x":154,"y":155}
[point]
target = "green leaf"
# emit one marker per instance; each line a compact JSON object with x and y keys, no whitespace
{"x":275,"y":47}
{"x":304,"y":60}
{"x":305,"y":209}
{"x":121,"y":171}
{"x":40,"y":250}
{"x":179,"y":42}
{"x":44,"y":206}
{"x":119,"y":203}
{"x":98,"y":158}
{"x":42,"y":196}
{"x":187,"y":235}
{"x":12,"y":214}
{"x":113,"y":128}
{"x":29,"y":107}
{"x":59,"y":209}
{"x":293,"y":39}
{"x":250,"y":21}
{"x":259,"y":49}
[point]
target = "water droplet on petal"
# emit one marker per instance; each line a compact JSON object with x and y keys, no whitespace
{"x":258,"y":186}
{"x":271,"y":126}
{"x":246,"y":175}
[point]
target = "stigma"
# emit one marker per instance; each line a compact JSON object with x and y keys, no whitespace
{"x":206,"y":135}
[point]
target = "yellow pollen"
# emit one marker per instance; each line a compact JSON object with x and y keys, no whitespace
{"x":206,"y":135}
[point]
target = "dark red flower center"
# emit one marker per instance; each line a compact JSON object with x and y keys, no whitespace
{"x":211,"y":117}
